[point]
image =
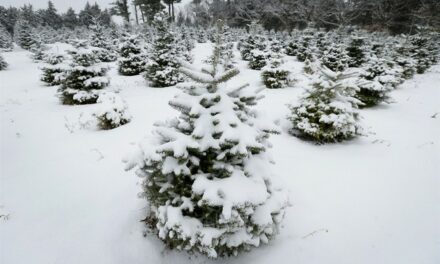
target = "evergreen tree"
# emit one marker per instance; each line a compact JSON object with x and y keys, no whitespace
{"x":131,"y":62}
{"x":335,"y":58}
{"x":196,"y":170}
{"x":23,"y":34}
{"x":121,"y":8}
{"x":356,"y":52}
{"x":149,"y":8}
{"x":5,"y":39}
{"x":54,"y":69}
{"x":305,"y":49}
{"x":112,"y":112}
{"x":70,"y":19}
{"x":227,"y":58}
{"x":274,"y":75}
{"x":84,"y":78}
{"x":327,"y":112}
{"x":3,"y":63}
{"x":257,"y":59}
{"x":163,"y":64}
{"x":420,"y":53}
{"x":292,"y":48}
{"x":100,"y":41}
{"x":51,"y":17}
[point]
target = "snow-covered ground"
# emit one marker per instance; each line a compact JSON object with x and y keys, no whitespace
{"x":375,"y":199}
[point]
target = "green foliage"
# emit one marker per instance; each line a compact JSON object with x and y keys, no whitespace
{"x":327,"y":111}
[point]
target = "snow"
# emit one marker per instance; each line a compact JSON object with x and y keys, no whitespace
{"x":374,"y":199}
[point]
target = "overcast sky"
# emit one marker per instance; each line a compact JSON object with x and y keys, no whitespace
{"x":61,"y":5}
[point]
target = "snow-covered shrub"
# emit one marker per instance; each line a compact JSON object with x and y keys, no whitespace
{"x":356,"y":52}
{"x":197,"y":166}
{"x":335,"y":58}
{"x":5,"y":39}
{"x":103,"y":48}
{"x":112,"y":112}
{"x":84,"y":78}
{"x":38,"y":51}
{"x":227,"y":58}
{"x":185,"y":44}
{"x":23,"y":34}
{"x":309,"y":68}
{"x":131,"y":62}
{"x":257,"y":59}
{"x":54,"y":70}
{"x":163,"y":64}
{"x":274,"y":75}
{"x":421,"y":54}
{"x":3,"y":63}
{"x":327,"y":112}
{"x":254,"y":41}
{"x":291,"y":48}
{"x":305,"y":49}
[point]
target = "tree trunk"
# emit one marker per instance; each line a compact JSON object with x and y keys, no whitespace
{"x":172,"y":7}
{"x":136,"y":15}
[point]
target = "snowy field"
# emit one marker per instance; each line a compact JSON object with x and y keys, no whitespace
{"x":67,"y":197}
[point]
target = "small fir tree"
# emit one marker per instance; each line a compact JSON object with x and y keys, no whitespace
{"x":327,"y":112}
{"x":131,"y":61}
{"x":421,"y":54}
{"x":102,"y":45}
{"x":195,"y":172}
{"x":274,"y":75}
{"x":305,"y":49}
{"x":5,"y":39}
{"x":258,"y":59}
{"x":112,"y":112}
{"x":335,"y":58}
{"x":84,"y":78}
{"x":23,"y":34}
{"x":163,"y":64}
{"x":3,"y":63}
{"x":356,"y":52}
{"x":54,"y":70}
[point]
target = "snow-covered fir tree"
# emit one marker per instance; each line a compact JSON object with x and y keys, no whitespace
{"x":5,"y":39}
{"x":254,"y":41}
{"x":38,"y":51}
{"x":163,"y":63}
{"x":112,"y":111}
{"x":327,"y":112}
{"x":195,"y":171}
{"x":185,"y":45}
{"x":292,"y":47}
{"x":227,"y":57}
{"x":102,"y":45}
{"x":356,"y":51}
{"x":420,"y":53}
{"x":23,"y":34}
{"x":258,"y":59}
{"x":3,"y":63}
{"x":335,"y":58}
{"x":131,"y":61}
{"x":274,"y":74}
{"x":403,"y":58}
{"x":54,"y":70}
{"x":84,"y":78}
{"x":305,"y":49}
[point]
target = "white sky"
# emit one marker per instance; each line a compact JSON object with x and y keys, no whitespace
{"x":60,"y":5}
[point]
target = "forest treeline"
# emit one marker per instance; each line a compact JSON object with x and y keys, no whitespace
{"x":394,"y":16}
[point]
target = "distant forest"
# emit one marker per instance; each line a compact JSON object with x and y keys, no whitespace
{"x":395,"y":16}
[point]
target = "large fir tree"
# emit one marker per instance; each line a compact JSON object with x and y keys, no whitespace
{"x":200,"y":163}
